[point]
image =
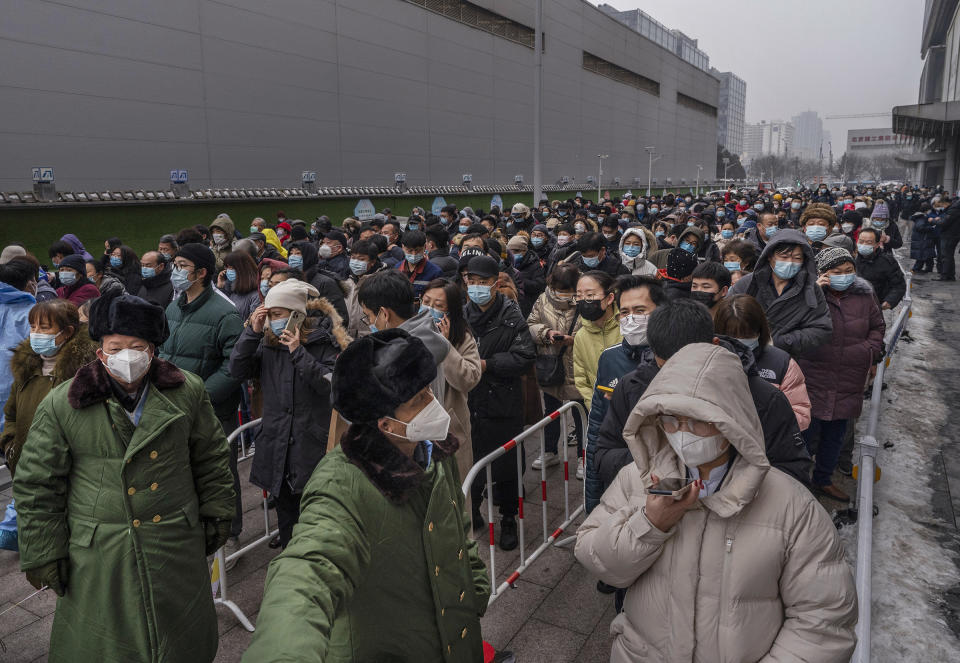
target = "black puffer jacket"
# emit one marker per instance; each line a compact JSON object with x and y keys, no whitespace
{"x":784,"y":444}
{"x":296,"y":397}
{"x":534,"y":281}
{"x":885,"y":275}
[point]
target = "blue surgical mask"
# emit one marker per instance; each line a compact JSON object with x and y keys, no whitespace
{"x":721,"y":213}
{"x":147,"y":272}
{"x":358,"y":267}
{"x":68,"y":278}
{"x":180,"y":279}
{"x":848,"y":201}
{"x":536,"y":241}
{"x":772,"y":230}
{"x":842,"y":282}
{"x":879,"y":224}
{"x":509,"y":224}
{"x":815,"y":233}
{"x":463,"y":229}
{"x":44,"y":344}
{"x":480,"y":294}
{"x":444,"y":221}
{"x":413,"y":226}
{"x":264,"y":287}
{"x":726,"y":234}
{"x":413,"y":258}
{"x":591,"y":262}
{"x":654,"y":210}
{"x":786,"y":269}
{"x":732,"y":265}
{"x":741,"y":221}
{"x":517,"y":258}
{"x":632,"y":250}
{"x":276,"y":326}
{"x":865,"y":249}
{"x":659,"y":233}
{"x":752,"y":343}
{"x":231,"y":275}
{"x":758,"y":206}
{"x":116,"y":261}
{"x":688,"y":247}
{"x":794,"y":206}
{"x":689,"y":224}
{"x":434,"y":313}
{"x":295,"y":262}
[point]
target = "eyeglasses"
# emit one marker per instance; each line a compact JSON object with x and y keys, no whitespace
{"x":671,"y":424}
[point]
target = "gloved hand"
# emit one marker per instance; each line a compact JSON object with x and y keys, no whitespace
{"x":216,"y":533}
{"x":53,"y":574}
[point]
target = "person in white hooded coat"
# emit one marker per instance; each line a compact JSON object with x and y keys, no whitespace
{"x":633,"y":255}
{"x":748,"y":568}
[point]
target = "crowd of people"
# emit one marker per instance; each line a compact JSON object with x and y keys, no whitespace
{"x":720,"y":345}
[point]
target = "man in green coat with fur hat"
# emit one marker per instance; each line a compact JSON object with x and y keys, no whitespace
{"x":122,"y":490}
{"x":380,"y":567}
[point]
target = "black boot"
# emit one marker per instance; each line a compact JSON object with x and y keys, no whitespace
{"x":478,"y":522}
{"x":508,"y":533}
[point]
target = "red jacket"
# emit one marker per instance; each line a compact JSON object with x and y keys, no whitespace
{"x":78,"y":294}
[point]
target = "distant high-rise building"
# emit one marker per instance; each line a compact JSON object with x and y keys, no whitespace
{"x":731,"y":112}
{"x":808,"y":135}
{"x":767,"y":138}
{"x":673,"y":40}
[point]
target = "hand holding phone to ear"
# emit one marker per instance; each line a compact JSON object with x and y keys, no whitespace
{"x":663,"y":511}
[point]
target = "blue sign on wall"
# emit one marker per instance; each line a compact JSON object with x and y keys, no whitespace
{"x":364,"y":210}
{"x":496,"y":201}
{"x":438,"y":204}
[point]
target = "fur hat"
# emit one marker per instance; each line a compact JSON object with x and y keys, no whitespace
{"x":819,"y":211}
{"x":128,"y":315}
{"x":201,"y":256}
{"x":379,"y":372}
{"x":829,"y":258}
{"x":291,"y":294}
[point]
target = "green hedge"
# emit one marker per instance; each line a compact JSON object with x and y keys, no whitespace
{"x":141,"y":224}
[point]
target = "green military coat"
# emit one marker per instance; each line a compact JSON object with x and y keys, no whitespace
{"x":380,"y":568}
{"x":124,"y":505}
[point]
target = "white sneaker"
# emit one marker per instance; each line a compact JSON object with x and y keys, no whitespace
{"x":580,"y":468}
{"x":551,"y":460}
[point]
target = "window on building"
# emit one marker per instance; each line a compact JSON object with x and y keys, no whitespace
{"x":696,"y":104}
{"x":621,"y":74}
{"x":480,"y":18}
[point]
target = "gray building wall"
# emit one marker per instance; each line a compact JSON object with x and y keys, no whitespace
{"x":116,"y":93}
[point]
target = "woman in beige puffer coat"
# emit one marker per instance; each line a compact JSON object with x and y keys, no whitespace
{"x":754,"y":572}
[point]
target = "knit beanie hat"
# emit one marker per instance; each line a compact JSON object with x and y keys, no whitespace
{"x":76,"y":263}
{"x":880,"y":211}
{"x":680,"y":263}
{"x":829,"y":258}
{"x":291,"y":294}
{"x":201,"y":256}
{"x":517,"y":244}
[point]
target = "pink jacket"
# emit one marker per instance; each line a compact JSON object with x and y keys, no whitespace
{"x":794,"y":387}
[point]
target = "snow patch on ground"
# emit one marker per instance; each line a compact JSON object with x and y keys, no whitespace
{"x":911,"y":566}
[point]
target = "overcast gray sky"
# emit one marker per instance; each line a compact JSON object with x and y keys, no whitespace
{"x":831,"y":56}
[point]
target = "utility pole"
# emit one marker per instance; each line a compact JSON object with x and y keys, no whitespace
{"x":726,"y":165}
{"x":699,"y":168}
{"x":537,"y":103}
{"x":600,"y":174}
{"x":650,"y":150}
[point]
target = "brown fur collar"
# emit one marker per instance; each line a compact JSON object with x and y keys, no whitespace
{"x":73,"y":354}
{"x":92,"y":383}
{"x":322,"y":306}
{"x":394,"y":474}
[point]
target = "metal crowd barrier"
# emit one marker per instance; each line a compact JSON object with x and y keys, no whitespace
{"x":486,"y":463}
{"x":866,"y":476}
{"x":221,"y":558}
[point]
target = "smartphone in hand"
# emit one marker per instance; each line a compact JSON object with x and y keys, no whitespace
{"x":674,"y":487}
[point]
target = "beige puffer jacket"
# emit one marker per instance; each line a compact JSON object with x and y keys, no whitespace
{"x":549,"y":313}
{"x":754,"y":572}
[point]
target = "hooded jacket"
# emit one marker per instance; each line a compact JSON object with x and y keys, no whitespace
{"x":639,"y":266}
{"x":754,"y":572}
{"x":77,"y":245}
{"x":588,"y":344}
{"x":225,"y":224}
{"x":15,"y":308}
{"x":799,"y":319}
{"x":274,"y":241}
{"x":549,"y":313}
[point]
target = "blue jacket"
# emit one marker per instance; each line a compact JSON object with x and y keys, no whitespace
{"x":15,"y":306}
{"x":420,"y":281}
{"x":614,"y":363}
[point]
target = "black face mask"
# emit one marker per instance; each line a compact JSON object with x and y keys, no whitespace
{"x":591,"y":310}
{"x":705,"y":298}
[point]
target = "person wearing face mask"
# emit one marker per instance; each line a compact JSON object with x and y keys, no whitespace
{"x":634,"y":248}
{"x":565,"y":246}
{"x":784,"y":282}
{"x":76,"y":287}
{"x":293,"y":367}
{"x":600,"y":329}
{"x":221,"y":237}
{"x":155,"y":286}
{"x":507,"y":352}
{"x":56,"y":349}
{"x":737,"y":517}
{"x":709,"y":285}
{"x":542,"y":243}
{"x":880,"y":220}
{"x":553,"y":323}
{"x":126,"y":553}
{"x":880,"y":268}
{"x":124,"y":265}
{"x":530,"y":271}
{"x":795,"y":211}
{"x":591,"y":255}
{"x":923,"y":240}
{"x":818,"y":222}
{"x":204,"y":325}
{"x":767,"y":227}
{"x":416,"y":267}
{"x":610,"y":229}
{"x":837,"y":372}
{"x":334,"y":256}
{"x":380,"y":550}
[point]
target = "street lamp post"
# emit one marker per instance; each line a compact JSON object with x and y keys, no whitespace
{"x":699,"y":168}
{"x":537,"y":103}
{"x":600,"y":174}
{"x":650,"y":150}
{"x":726,"y":165}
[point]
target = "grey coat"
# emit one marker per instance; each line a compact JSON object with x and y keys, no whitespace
{"x":799,"y":318}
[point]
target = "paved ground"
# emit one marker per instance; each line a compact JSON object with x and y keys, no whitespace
{"x":555,"y":614}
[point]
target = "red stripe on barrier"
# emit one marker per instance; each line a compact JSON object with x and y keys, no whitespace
{"x":509,"y":445}
{"x":566,"y":471}
{"x":555,"y":415}
{"x":543,"y":486}
{"x":513,"y":578}
{"x":493,"y":540}
{"x":557,"y":533}
{"x":264,"y":494}
{"x":520,"y":506}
